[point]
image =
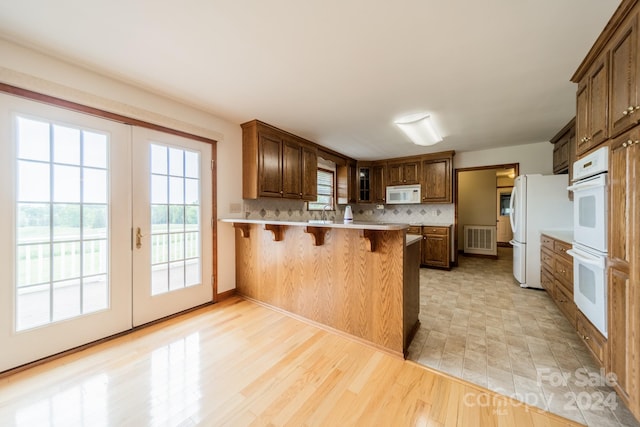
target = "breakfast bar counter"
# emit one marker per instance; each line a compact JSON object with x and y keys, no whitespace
{"x":359,"y":278}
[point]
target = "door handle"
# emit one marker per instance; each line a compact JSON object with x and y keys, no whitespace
{"x":139,"y":237}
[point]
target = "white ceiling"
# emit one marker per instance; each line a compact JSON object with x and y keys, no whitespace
{"x":491,"y":72}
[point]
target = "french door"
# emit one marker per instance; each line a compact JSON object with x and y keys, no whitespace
{"x":92,"y":243}
{"x":171,"y":223}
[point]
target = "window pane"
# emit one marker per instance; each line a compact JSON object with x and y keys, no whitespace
{"x":159,"y":279}
{"x":33,"y":182}
{"x":66,"y":299}
{"x":176,"y":246}
{"x":191,"y":219}
{"x":158,"y":159}
{"x":95,"y":257}
{"x":66,"y":260}
{"x":95,"y":186}
{"x":95,"y":150}
{"x":159,"y":248}
{"x":94,"y":221}
{"x":34,"y":264}
{"x":95,"y":293}
{"x":66,"y":184}
{"x":33,"y":139}
{"x":192,"y":164}
{"x":158,"y":189}
{"x":33,"y":306}
{"x":176,"y":190}
{"x":176,"y":275}
{"x":176,"y":162}
{"x":66,"y":145}
{"x":192,"y":192}
{"x":66,"y":222}
{"x":192,"y":272}
{"x":176,"y":218}
{"x":33,"y":222}
{"x":159,"y":218}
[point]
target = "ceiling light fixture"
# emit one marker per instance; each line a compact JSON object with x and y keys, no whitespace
{"x":419,"y":129}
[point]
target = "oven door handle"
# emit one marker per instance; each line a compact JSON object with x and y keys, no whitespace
{"x":586,"y":185}
{"x":586,"y":258}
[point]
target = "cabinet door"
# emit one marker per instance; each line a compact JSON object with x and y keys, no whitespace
{"x":624,"y":80}
{"x":561,"y":155}
{"x":291,"y":170}
{"x":598,"y":103}
{"x":411,"y":173}
{"x":435,"y":246}
{"x":309,"y":174}
{"x":364,"y":184}
{"x":269,"y":165}
{"x":436,"y":182}
{"x":624,"y":274}
{"x":394,"y":174}
{"x":379,"y":188}
{"x":620,"y":338}
{"x":582,"y":116}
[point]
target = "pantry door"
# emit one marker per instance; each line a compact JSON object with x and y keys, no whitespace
{"x":65,"y":222}
{"x":172,"y":224}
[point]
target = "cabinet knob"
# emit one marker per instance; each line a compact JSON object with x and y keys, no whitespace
{"x":586,"y":338}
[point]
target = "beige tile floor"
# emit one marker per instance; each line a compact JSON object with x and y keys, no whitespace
{"x":479,"y":325}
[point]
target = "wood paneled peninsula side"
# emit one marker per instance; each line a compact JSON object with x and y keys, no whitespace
{"x":360,"y":279}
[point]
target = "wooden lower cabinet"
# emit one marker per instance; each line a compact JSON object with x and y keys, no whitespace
{"x":436,"y":246}
{"x":594,"y":340}
{"x":556,"y":276}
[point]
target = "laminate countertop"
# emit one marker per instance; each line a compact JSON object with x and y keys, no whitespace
{"x":358,"y":225}
{"x":562,"y":235}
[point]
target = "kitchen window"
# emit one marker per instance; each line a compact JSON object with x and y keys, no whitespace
{"x":326,"y":191}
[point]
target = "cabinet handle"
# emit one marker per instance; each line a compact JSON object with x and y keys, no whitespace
{"x":586,"y":338}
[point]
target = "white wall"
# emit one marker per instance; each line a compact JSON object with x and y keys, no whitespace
{"x":35,"y":71}
{"x":533,"y":158}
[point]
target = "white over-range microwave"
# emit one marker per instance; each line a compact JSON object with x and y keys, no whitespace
{"x":404,"y":194}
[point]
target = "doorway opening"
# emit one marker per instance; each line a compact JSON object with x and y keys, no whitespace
{"x":481,"y":204}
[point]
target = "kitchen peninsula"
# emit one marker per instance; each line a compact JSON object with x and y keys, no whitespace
{"x":358,"y":278}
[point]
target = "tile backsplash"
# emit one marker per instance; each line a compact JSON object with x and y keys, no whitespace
{"x":294,"y":210}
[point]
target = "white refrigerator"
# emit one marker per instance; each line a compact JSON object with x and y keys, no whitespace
{"x":538,"y":202}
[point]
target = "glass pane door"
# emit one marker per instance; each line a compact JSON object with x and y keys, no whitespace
{"x":62,"y":225}
{"x":65,"y":195}
{"x":172,"y":222}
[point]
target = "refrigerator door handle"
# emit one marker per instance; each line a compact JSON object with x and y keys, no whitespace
{"x":511,"y":212}
{"x":514,"y":243}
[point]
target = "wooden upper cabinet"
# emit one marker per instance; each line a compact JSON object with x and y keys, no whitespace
{"x":269,"y":166}
{"x":291,"y":169}
{"x":277,"y":164}
{"x":625,"y":105}
{"x":404,"y":172}
{"x":309,"y":174}
{"x":378,"y":183}
{"x":365,"y":182}
{"x":592,"y":107}
{"x":436,"y":180}
{"x":564,"y":148}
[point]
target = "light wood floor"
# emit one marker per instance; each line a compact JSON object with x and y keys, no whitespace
{"x":238,"y":363}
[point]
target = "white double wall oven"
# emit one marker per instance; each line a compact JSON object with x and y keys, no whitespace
{"x":589,"y":249}
{"x":105,"y":226}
